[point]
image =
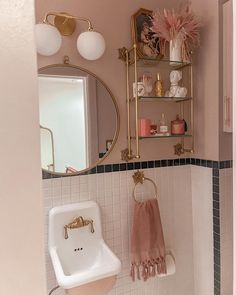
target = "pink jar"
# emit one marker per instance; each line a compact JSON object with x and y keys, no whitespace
{"x":144,"y":127}
{"x":178,"y":126}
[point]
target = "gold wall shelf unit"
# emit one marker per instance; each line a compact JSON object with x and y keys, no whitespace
{"x":132,"y":63}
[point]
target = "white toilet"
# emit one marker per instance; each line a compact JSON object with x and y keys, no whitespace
{"x":82,"y":261}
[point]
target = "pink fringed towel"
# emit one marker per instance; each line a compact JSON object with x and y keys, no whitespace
{"x":147,"y":241}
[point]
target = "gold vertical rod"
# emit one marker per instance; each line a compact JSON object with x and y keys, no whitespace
{"x":192,"y":107}
{"x":136,"y":102}
{"x":128,"y":103}
{"x":182,"y":116}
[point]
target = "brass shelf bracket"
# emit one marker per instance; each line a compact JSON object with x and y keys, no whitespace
{"x":138,"y":177}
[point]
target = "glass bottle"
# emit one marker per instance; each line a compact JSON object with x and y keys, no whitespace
{"x":163,"y":125}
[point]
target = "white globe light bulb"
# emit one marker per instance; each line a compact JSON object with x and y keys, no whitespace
{"x":91,"y":45}
{"x":48,"y":39}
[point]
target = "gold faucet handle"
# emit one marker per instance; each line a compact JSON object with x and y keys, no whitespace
{"x":65,"y":232}
{"x":92,"y":227}
{"x":89,"y":221}
{"x":79,"y":221}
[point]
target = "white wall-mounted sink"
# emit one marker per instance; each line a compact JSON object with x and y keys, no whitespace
{"x":84,"y":257}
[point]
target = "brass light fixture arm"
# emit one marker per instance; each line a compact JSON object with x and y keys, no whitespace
{"x":67,"y":17}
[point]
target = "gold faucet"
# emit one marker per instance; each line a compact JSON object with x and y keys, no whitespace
{"x":77,"y":223}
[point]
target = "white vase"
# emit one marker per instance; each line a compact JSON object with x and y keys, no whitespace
{"x":176,"y":51}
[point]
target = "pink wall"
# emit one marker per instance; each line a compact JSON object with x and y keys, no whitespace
{"x":206,"y":82}
{"x":226,"y":144}
{"x":113,"y":20}
{"x":211,"y":141}
{"x":22,"y":266}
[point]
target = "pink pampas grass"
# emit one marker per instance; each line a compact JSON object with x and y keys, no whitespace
{"x":170,"y":24}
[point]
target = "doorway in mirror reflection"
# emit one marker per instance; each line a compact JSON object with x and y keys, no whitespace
{"x":63,"y":110}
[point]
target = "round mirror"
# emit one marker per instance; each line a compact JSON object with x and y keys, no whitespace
{"x":79,"y":119}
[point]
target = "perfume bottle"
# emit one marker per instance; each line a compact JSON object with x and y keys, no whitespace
{"x":163,"y":126}
{"x":159,"y":90}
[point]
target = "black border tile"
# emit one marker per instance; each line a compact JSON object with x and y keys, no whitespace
{"x":151,"y":164}
{"x":217,"y":249}
{"x":188,"y":161}
{"x":137,"y":165}
{"x":130,"y":166}
{"x":216,"y":229}
{"x":115,"y":167}
{"x":227,"y":164}
{"x":182,"y":161}
{"x":217,"y":276}
{"x":209,"y":164}
{"x":217,"y":284}
{"x":100,"y":169}
{"x":216,"y":189}
{"x":123,"y":167}
{"x":164,"y":163}
{"x":215,"y":180}
{"x":216,"y":205}
{"x":216,"y":172}
{"x":108,"y":168}
{"x":216,"y":197}
{"x":157,"y":164}
{"x":217,"y":268}
{"x":222,"y":164}
{"x":193,"y":161}
{"x":144,"y":165}
{"x":215,"y":164}
{"x":176,"y":162}
{"x":216,"y":220}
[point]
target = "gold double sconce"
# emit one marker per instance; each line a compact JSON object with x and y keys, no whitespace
{"x":90,"y":44}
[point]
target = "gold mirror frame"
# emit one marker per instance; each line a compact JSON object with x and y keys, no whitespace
{"x":66,"y":64}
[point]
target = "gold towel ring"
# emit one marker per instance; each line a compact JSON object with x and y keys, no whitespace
{"x":139,"y":178}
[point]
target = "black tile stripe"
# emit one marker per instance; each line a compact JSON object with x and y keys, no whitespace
{"x":152,"y":164}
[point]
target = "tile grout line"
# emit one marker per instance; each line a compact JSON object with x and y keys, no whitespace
{"x":216,"y":229}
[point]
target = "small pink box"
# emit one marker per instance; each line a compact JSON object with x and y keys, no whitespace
{"x":144,"y":127}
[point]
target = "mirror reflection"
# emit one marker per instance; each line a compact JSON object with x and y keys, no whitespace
{"x":78,"y":119}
